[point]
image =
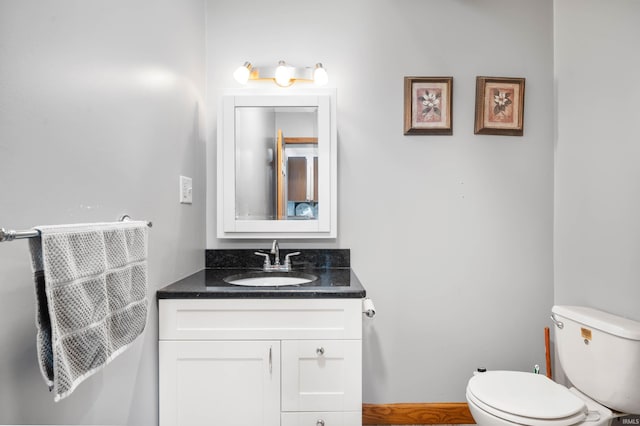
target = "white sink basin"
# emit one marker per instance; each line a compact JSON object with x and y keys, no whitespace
{"x":270,"y":279}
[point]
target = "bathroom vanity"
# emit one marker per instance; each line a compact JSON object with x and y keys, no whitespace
{"x":288,"y":356}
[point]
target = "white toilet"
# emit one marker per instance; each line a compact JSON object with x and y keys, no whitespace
{"x":600,"y":355}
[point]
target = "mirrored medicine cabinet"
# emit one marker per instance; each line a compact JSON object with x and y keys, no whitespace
{"x":277,"y":171}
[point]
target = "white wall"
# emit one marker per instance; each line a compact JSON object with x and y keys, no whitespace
{"x":101,"y":109}
{"x":451,"y":235}
{"x":597,"y":208}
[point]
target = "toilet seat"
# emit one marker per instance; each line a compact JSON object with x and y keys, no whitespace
{"x":525,"y":398}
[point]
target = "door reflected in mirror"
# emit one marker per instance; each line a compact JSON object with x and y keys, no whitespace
{"x":276,"y":154}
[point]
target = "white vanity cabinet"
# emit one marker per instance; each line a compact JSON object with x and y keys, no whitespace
{"x":251,"y":362}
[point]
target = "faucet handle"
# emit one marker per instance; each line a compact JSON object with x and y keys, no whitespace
{"x":287,"y":258}
{"x":267,"y":260}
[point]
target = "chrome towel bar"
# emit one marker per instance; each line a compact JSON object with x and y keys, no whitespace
{"x":10,"y":235}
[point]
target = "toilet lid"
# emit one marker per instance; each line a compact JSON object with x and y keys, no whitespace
{"x":526,"y":395}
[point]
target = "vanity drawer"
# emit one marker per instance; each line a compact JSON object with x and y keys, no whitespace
{"x":350,"y":418}
{"x":243,"y":319}
{"x":321,"y":375}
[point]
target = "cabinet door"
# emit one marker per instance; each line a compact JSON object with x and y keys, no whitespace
{"x":322,"y":375}
{"x":219,"y":383}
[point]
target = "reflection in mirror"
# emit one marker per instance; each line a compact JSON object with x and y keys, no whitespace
{"x":276,"y":155}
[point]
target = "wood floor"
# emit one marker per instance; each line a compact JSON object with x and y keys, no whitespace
{"x":404,"y":424}
{"x":442,"y":413}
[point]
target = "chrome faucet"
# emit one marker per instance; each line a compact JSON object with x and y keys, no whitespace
{"x":276,"y":266}
{"x":275,"y":250}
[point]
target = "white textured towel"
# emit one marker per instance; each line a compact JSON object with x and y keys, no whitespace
{"x":91,"y":292}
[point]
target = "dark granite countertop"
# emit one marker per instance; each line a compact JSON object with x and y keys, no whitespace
{"x":331,"y":266}
{"x":208,"y":284}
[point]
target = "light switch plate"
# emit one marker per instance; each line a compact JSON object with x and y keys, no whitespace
{"x":186,"y":190}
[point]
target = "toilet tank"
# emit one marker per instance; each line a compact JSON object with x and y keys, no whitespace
{"x":600,"y":355}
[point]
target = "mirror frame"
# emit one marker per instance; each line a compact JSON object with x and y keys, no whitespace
{"x":325,"y":226}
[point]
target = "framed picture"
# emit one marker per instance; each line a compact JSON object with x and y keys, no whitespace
{"x":499,"y":106}
{"x":428,"y":105}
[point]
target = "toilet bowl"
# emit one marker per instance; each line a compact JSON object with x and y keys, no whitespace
{"x":600,"y":355}
{"x":508,"y":398}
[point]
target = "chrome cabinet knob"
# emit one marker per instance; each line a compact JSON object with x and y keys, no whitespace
{"x":320,"y":422}
{"x":320,"y":351}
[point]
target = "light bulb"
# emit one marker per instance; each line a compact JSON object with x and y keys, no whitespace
{"x":320,"y":76}
{"x":283,"y":74}
{"x":241,"y":74}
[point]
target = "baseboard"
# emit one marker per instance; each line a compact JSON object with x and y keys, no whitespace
{"x":416,"y":413}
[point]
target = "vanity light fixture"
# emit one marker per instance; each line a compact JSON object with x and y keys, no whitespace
{"x":283,"y":74}
{"x":242,"y":73}
{"x":320,"y":76}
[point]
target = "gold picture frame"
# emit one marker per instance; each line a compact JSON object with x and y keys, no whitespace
{"x":428,"y":105}
{"x":499,"y":106}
